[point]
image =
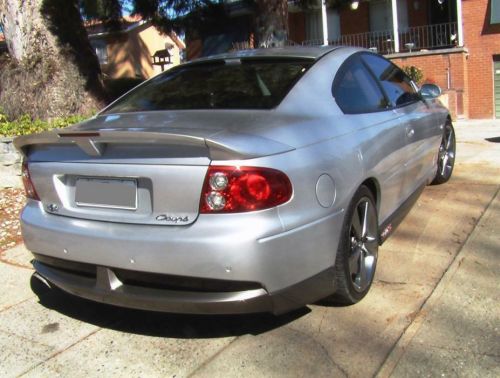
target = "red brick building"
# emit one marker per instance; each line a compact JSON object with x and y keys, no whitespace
{"x":456,"y":43}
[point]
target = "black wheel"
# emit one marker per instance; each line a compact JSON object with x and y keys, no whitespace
{"x":358,"y":249}
{"x":446,"y":155}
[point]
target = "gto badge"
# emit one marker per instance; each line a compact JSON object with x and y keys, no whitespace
{"x":172,"y":219}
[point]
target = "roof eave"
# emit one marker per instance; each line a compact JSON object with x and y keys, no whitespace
{"x":126,"y":30}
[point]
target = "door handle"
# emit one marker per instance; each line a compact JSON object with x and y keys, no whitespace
{"x":410,"y":132}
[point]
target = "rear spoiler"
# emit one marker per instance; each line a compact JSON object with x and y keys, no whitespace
{"x":221,"y":146}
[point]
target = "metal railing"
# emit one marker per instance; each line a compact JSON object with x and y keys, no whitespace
{"x":417,"y":38}
{"x":428,"y":37}
{"x":246,"y":45}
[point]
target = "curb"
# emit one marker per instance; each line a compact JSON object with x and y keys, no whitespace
{"x":406,"y":338}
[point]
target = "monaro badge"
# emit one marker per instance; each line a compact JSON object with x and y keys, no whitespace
{"x":172,"y":219}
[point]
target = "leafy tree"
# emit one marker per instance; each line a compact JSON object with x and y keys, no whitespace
{"x":107,"y":11}
{"x":53,"y":71}
{"x":271,"y":16}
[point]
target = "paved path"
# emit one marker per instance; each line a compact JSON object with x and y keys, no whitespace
{"x":432,"y":310}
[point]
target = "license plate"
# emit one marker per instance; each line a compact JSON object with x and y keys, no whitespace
{"x":106,"y":193}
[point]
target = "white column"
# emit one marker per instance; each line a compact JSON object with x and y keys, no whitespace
{"x":324,"y":22}
{"x":395,"y":25}
{"x":460,"y":28}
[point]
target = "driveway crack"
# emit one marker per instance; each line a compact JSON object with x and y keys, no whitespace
{"x":323,"y":348}
{"x":59,"y":352}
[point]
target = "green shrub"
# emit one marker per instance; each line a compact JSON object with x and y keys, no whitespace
{"x":415,"y":73}
{"x":25,"y":125}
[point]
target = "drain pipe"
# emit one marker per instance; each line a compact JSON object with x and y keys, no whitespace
{"x":448,"y":73}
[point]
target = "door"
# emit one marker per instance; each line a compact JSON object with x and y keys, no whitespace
{"x":382,"y":140}
{"x":419,"y":127}
{"x":497,"y":88}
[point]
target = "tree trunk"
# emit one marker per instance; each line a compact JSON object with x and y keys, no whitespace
{"x":271,"y":22}
{"x":54,"y":70}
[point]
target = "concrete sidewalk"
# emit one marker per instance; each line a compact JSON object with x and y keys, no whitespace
{"x":457,"y":332}
{"x":432,"y":311}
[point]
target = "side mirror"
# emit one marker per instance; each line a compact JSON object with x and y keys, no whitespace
{"x":430,"y":91}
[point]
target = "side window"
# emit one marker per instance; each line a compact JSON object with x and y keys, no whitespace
{"x":396,"y":84}
{"x":355,"y":89}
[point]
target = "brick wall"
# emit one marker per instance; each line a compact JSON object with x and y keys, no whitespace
{"x":483,"y":42}
{"x":435,"y":68}
{"x":472,"y":72}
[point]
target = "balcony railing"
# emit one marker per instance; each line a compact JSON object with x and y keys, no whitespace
{"x":428,"y":37}
{"x":417,"y":38}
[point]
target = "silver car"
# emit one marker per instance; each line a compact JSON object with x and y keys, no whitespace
{"x":255,"y":181}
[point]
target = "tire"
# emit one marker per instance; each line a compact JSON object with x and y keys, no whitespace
{"x":357,"y":254}
{"x":446,"y":155}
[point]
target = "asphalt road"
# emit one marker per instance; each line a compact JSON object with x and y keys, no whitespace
{"x":432,"y":311}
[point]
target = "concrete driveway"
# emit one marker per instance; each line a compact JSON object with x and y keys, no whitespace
{"x":432,"y":311}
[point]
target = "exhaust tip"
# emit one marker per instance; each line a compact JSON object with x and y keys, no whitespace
{"x":42,"y":279}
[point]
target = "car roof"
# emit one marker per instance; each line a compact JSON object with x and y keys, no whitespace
{"x":299,"y":52}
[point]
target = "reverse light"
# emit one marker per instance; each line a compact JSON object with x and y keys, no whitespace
{"x":229,"y":189}
{"x":29,"y":188}
{"x":216,"y":201}
{"x":218,"y":181}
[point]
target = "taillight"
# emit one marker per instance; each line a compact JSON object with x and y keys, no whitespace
{"x":29,"y":188}
{"x":240,"y":189}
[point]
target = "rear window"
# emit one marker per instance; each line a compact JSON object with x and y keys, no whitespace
{"x":246,"y":84}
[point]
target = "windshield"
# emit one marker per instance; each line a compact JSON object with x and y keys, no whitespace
{"x":246,"y":84}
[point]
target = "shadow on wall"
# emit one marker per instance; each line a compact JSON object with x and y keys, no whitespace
{"x":128,"y":56}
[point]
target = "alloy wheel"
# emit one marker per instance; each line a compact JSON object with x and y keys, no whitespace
{"x":364,"y":245}
{"x":446,"y":157}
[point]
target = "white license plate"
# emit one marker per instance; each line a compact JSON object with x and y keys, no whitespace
{"x":106,"y":193}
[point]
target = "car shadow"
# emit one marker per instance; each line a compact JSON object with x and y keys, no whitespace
{"x":150,"y":323}
{"x":329,"y":303}
{"x":493,"y":140}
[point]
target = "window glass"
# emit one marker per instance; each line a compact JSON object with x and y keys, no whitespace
{"x":101,"y":50}
{"x":396,"y":84}
{"x":355,"y":89}
{"x":243,"y":84}
{"x":381,"y":15}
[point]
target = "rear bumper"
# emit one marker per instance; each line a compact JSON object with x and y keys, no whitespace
{"x":287,"y":265}
{"x":107,"y":288}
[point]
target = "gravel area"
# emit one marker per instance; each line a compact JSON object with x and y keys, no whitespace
{"x":11,"y":202}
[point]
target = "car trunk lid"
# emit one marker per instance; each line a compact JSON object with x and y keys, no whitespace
{"x":147,"y":176}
